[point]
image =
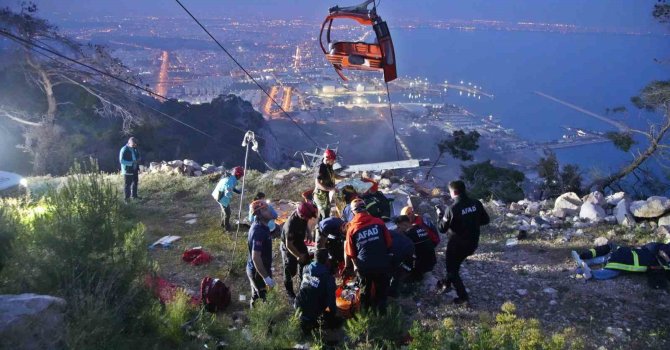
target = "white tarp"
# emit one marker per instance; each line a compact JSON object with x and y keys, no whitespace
{"x":8,"y":180}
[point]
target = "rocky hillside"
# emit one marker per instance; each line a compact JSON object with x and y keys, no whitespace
{"x":524,"y":256}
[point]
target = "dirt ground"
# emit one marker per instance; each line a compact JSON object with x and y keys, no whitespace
{"x":536,"y":275}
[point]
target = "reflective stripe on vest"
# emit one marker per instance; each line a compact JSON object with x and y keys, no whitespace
{"x":631,"y":268}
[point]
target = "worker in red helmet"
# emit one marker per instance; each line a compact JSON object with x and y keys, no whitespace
{"x":368,"y":246}
{"x":293,"y":248}
{"x":223,"y":193}
{"x":325,"y":183}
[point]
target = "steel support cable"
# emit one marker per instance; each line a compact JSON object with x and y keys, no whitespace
{"x":247,"y":73}
{"x":32,"y":47}
{"x":248,"y":139}
{"x":395,"y":136}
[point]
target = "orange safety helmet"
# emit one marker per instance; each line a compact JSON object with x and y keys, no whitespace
{"x":258,"y":205}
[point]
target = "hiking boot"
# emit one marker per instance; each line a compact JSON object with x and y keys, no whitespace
{"x":586,"y":271}
{"x":582,"y":267}
{"x":576,"y":258}
{"x":443,"y":286}
{"x":460,"y":301}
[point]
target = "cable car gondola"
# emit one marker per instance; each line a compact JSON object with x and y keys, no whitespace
{"x":378,"y":56}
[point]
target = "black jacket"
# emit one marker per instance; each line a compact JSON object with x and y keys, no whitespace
{"x":463,"y":220}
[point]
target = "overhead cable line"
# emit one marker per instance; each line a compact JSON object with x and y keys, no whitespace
{"x":247,"y":73}
{"x":33,"y":45}
{"x":395,"y":136}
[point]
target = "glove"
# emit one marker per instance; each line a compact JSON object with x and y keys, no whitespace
{"x":269,"y":281}
{"x":439,"y":211}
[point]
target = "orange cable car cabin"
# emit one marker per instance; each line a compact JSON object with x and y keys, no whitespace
{"x":378,"y":56}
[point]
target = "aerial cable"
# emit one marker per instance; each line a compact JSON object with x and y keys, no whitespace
{"x":33,"y":45}
{"x":247,"y":73}
{"x":395,"y":136}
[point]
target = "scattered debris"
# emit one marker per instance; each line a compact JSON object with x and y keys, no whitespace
{"x":165,"y":241}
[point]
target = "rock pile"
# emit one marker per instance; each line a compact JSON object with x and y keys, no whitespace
{"x":570,"y":215}
{"x":186,"y":167}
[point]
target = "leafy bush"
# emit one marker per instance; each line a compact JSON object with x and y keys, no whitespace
{"x":485,"y":180}
{"x":76,"y":243}
{"x":371,"y":330}
{"x":272,"y":325}
{"x":506,"y":331}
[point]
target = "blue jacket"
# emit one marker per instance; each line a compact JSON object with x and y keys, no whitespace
{"x":259,"y":240}
{"x":317,"y":291}
{"x":402,"y":249}
{"x":128,"y":157}
{"x":227,"y":186}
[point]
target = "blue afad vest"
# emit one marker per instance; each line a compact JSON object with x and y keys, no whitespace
{"x":372,"y":252}
{"x":634,"y":259}
{"x":317,"y":291}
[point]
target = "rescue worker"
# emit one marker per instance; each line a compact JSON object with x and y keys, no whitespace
{"x":462,"y":220}
{"x":316,"y":297}
{"x":367,"y":247}
{"x":617,"y":259}
{"x":349,"y":193}
{"x":325,"y":183}
{"x":422,"y":222}
{"x":129,"y":157}
{"x":272,"y":225}
{"x":293,"y":248}
{"x":333,"y":229}
{"x":223,"y":193}
{"x":402,"y":250}
{"x":424,"y":248}
{"x":259,"y":261}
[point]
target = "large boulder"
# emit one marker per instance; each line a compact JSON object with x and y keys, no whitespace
{"x":569,"y":202}
{"x":664,"y":220}
{"x":533,"y":208}
{"x":192,"y":164}
{"x":175,"y":163}
{"x":622,"y":214}
{"x":31,"y":321}
{"x":651,"y":208}
{"x":614,"y":199}
{"x":663,"y":233}
{"x":592,"y":212}
{"x":595,"y":197}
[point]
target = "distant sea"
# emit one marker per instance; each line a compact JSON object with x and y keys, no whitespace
{"x":592,"y":71}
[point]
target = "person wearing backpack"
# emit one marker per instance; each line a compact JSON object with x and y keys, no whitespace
{"x":129,"y":157}
{"x":259,"y":243}
{"x":316,"y":297}
{"x":223,"y":194}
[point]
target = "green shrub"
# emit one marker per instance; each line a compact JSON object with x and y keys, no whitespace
{"x":77,"y":243}
{"x":370,"y":329}
{"x":506,"y":331}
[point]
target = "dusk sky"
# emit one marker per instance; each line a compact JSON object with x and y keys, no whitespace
{"x":599,"y":13}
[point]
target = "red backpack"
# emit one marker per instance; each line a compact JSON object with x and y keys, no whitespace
{"x":215,"y":295}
